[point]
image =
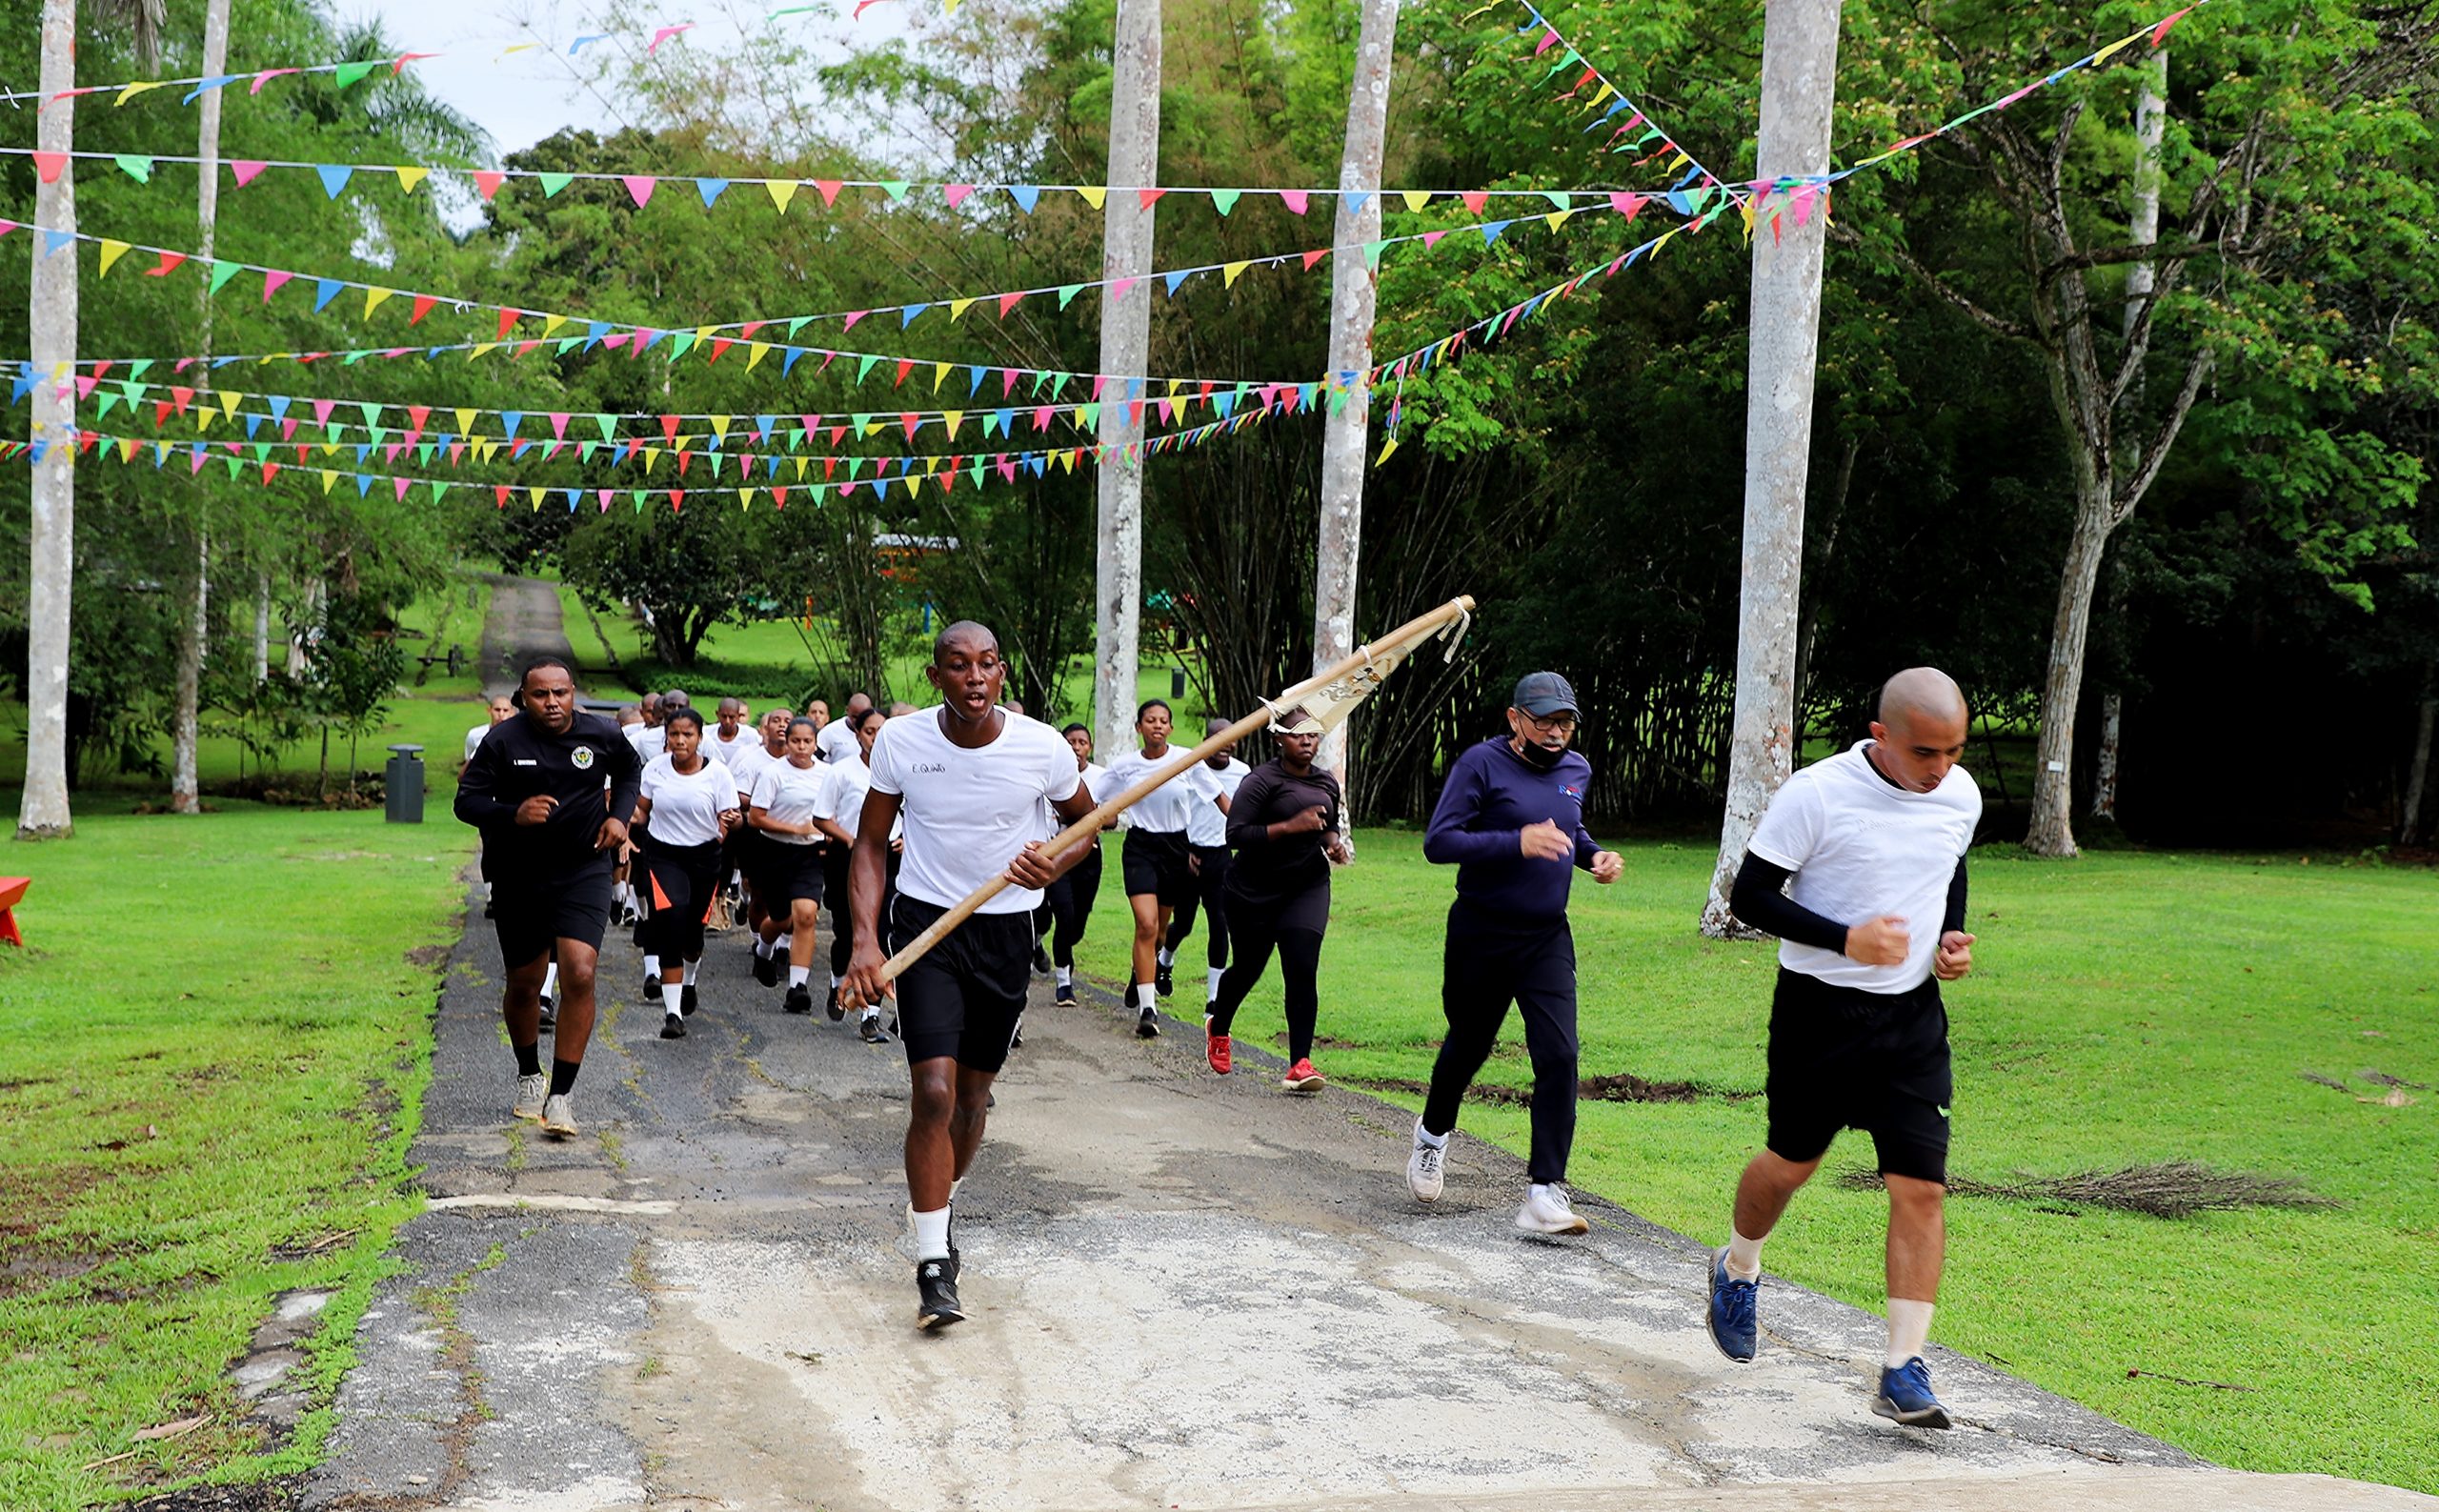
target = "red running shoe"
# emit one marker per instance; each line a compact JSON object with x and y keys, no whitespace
{"x":1217,"y":1048}
{"x":1303,"y":1078}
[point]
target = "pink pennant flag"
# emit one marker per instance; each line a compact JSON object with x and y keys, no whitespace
{"x":1118,"y":286}
{"x":246,"y":169}
{"x":1549,"y":40}
{"x":194,"y":461}
{"x":273,"y":278}
{"x":401,"y":484}
{"x":269,"y":74}
{"x":1008,"y":302}
{"x":405,"y":58}
{"x":1007,"y":382}
{"x":956,"y":194}
{"x":559,"y":425}
{"x":829,"y":189}
{"x":639,"y":186}
{"x":322,"y":409}
{"x":1627,"y":205}
{"x":488,"y":184}
{"x":2160,"y":33}
{"x":1294,"y":199}
{"x":854,"y":318}
{"x":665,"y":33}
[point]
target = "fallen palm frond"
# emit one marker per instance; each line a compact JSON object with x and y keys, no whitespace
{"x":1623,"y":1086}
{"x":2170,"y":1189}
{"x":2317,"y":1078}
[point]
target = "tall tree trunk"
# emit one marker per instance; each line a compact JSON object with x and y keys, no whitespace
{"x":2112,"y":731}
{"x":1798,"y":86}
{"x":1833,"y":514}
{"x":194,"y":626}
{"x":2418,"y":775}
{"x":43,"y":813}
{"x":1354,"y":289}
{"x":1127,"y":339}
{"x":298,"y":634}
{"x":2053,"y":777}
{"x":262,"y":630}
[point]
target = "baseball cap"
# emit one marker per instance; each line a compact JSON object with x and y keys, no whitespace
{"x":1542,"y":693}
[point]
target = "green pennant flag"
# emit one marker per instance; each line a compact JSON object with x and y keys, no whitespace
{"x":1224,"y":200}
{"x":1372,"y":250}
{"x":855,"y":467}
{"x":639,"y":494}
{"x":796,"y":325}
{"x":607,"y":427}
{"x":568,"y":344}
{"x":347,"y":73}
{"x":896,"y":190}
{"x":221,"y":274}
{"x":234,"y":465}
{"x":553,"y":183}
{"x":262,"y":451}
{"x":371,"y":410}
{"x":584,"y":451}
{"x":376,"y":434}
{"x":424,"y":452}
{"x":863,"y":423}
{"x":354,"y":357}
{"x":1559,"y":199}
{"x":1088,"y":416}
{"x":1068,"y":292}
{"x":139,"y":367}
{"x":438,"y":488}
{"x":134,"y":166}
{"x":679,"y":342}
{"x":865,"y":366}
{"x":1059,"y":385}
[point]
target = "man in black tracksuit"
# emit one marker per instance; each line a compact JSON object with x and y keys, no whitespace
{"x":551,"y":790}
{"x":1511,"y":818}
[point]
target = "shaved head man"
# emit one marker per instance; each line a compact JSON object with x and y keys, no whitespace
{"x":1859,"y":868}
{"x":837,"y":737}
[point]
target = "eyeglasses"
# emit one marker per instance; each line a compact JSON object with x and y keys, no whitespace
{"x":1559,"y":723}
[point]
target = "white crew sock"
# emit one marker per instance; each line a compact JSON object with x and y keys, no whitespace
{"x":797,"y":975}
{"x":692,"y":967}
{"x":953,"y":1186}
{"x":762,"y":947}
{"x":931,"y":1231}
{"x":1066,"y":975}
{"x":786,"y":943}
{"x":1909,"y":1326}
{"x":1744,"y":1257}
{"x":652,"y":967}
{"x":1144,"y":998}
{"x":1424,"y":1136}
{"x":619,"y":893}
{"x":1212,"y":987}
{"x":1168,"y":957}
{"x":551,"y":982}
{"x":836,"y":982}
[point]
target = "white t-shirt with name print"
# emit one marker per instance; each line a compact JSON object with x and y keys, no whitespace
{"x":792,"y":794}
{"x":968,"y":813}
{"x":1169,"y":807}
{"x":1206,"y":823}
{"x":686,"y":806}
{"x":1861,"y":848}
{"x":836,"y":743}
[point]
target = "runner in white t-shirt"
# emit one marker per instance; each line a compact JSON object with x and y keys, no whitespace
{"x":689,"y":806}
{"x":1071,"y":898}
{"x":1873,"y":840}
{"x":1155,"y":858}
{"x":841,"y":810}
{"x":770,"y":743}
{"x":789,"y":795}
{"x":1206,"y":838}
{"x":970,"y":780}
{"x":838,"y":735}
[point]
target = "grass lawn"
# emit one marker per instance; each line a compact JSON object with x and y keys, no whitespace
{"x":2125,"y":1008}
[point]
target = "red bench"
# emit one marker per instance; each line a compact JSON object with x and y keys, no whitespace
{"x":12,"y":890}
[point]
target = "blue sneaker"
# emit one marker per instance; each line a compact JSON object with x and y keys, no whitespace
{"x":1731,"y":1310}
{"x":1905,"y":1397}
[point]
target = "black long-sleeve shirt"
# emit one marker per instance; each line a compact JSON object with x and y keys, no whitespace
{"x":1758,"y":899}
{"x":521,"y":759}
{"x":1267,"y":870}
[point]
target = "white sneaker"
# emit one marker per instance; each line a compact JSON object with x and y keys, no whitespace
{"x":1423,"y":1168}
{"x":1546,"y":1211}
{"x":558,"y":1119}
{"x":531,"y":1091}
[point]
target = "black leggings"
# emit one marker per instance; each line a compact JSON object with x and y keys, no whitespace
{"x":1211,"y":876}
{"x":1488,"y":963}
{"x":685,"y":878}
{"x":1070,"y":900}
{"x":1258,"y":932}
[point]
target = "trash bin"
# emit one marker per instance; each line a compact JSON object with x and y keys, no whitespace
{"x":402,"y":785}
{"x":1177,"y":682}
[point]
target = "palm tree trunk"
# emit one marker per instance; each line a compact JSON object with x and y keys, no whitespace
{"x":51,"y":563}
{"x":194,"y":626}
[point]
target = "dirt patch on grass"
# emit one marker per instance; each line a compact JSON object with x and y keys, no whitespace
{"x":429,"y":956}
{"x":1623,"y":1086}
{"x":281,"y":1495}
{"x":29,"y":1199}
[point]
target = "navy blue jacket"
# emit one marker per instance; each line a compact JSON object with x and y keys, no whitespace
{"x":1492,"y":793}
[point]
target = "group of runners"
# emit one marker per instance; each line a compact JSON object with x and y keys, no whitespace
{"x":898,"y":818}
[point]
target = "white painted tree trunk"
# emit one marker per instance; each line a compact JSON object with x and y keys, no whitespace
{"x":2112,"y":729}
{"x":262,"y":630}
{"x":2052,"y":832}
{"x":1127,"y":339}
{"x":2418,"y":775}
{"x":1799,"y":87}
{"x":1354,"y":289}
{"x":194,"y":626}
{"x":52,"y":559}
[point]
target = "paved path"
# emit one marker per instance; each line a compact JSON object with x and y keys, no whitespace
{"x":524,"y":621}
{"x":1187,"y":1291}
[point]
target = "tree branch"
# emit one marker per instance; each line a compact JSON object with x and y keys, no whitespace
{"x":2157,"y":452}
{"x":1989,"y":320}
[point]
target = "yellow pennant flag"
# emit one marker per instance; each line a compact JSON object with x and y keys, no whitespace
{"x":111,"y":253}
{"x":745,"y":497}
{"x":1094,"y":194}
{"x":481,"y":349}
{"x":955,"y":418}
{"x":1558,"y":218}
{"x":1228,"y":275}
{"x":329,"y":449}
{"x":127,"y":451}
{"x":720,"y":426}
{"x":134,"y":89}
{"x":203,"y":414}
{"x":800,"y":467}
{"x":409,"y":175}
{"x":229,"y":398}
{"x":466,"y":420}
{"x":913,"y":485}
{"x":782,"y":191}
{"x":536,"y":495}
{"x":940,"y":374}
{"x":957,"y":309}
{"x":551,"y":325}
{"x":330,"y":476}
{"x":2098,"y":58}
{"x":652,"y":455}
{"x":1386,"y":451}
{"x":1417,"y":198}
{"x":375,"y":298}
{"x":755,"y":353}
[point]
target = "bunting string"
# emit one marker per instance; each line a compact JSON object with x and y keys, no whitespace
{"x":1607,"y":100}
{"x":642,"y":189}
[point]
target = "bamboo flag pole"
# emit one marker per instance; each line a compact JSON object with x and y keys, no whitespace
{"x":1337,"y":689}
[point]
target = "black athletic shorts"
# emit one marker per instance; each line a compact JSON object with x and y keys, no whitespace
{"x":530,"y":915}
{"x":783,"y":873}
{"x":964,"y":996}
{"x":1154,"y":861}
{"x":1845,"y":1058}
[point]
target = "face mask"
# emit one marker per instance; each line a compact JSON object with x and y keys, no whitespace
{"x":1541,"y":758}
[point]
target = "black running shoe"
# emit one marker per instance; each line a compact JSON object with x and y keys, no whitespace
{"x":1163,"y":981}
{"x":936,"y":1283}
{"x":1040,"y":960}
{"x":800,"y":999}
{"x":686,"y":1003}
{"x":673,"y":1027}
{"x":550,"y":1020}
{"x":766,"y":970}
{"x":1017,"y":1040}
{"x":652,"y":989}
{"x":1065,"y":997}
{"x":1147,"y":1024}
{"x":870,"y":1029}
{"x":836,"y":1010}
